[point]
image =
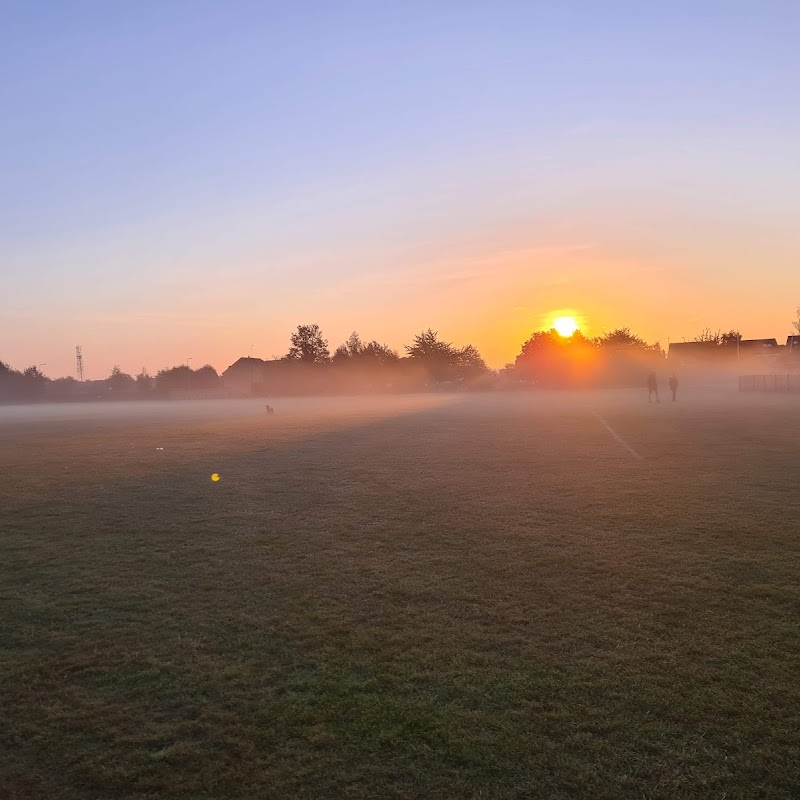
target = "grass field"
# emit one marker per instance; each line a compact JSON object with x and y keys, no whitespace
{"x":418,"y":597}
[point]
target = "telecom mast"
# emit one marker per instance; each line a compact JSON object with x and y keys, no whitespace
{"x":79,"y":361}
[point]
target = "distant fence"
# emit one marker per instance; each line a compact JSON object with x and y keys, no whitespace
{"x":789,"y":382}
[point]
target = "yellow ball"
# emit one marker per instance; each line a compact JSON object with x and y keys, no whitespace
{"x":215,"y":477}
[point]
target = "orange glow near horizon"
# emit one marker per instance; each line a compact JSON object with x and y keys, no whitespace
{"x":565,"y":326}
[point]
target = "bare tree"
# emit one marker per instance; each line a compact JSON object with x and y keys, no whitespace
{"x":708,"y":336}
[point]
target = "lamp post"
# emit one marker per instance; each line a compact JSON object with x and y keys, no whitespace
{"x":188,"y":376}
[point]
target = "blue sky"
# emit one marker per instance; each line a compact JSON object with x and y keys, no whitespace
{"x":186,"y":179}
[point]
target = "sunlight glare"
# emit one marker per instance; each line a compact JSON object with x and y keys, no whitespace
{"x":565,"y":326}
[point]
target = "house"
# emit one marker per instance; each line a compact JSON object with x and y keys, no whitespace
{"x":793,"y":346}
{"x":260,"y":378}
{"x":243,"y":375}
{"x":758,"y":345}
{"x":749,"y":348}
{"x":684,"y":353}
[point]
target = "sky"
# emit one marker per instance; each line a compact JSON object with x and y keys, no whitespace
{"x":192,"y":179}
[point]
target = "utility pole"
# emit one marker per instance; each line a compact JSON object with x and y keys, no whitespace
{"x":188,"y":376}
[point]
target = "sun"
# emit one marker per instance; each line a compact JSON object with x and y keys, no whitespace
{"x":565,"y":326}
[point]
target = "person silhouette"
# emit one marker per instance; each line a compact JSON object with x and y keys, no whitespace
{"x":673,"y":385}
{"x":652,"y":387}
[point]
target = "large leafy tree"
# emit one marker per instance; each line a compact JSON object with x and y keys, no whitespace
{"x":12,"y":383}
{"x":433,"y":355}
{"x":350,"y":350}
{"x":621,"y":339}
{"x":119,"y":381}
{"x":378,"y":354}
{"x":205,"y":378}
{"x":308,"y":346}
{"x":371,"y":354}
{"x":444,"y":362}
{"x":173,"y":378}
{"x":730,"y":339}
{"x":547,"y":357}
{"x":469,"y":361}
{"x":180,"y":378}
{"x":33,"y":383}
{"x":428,"y":346}
{"x":144,"y":381}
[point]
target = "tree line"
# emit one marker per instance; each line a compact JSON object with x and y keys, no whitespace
{"x":428,"y":362}
{"x":546,"y":359}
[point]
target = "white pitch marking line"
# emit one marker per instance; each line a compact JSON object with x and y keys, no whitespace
{"x":618,"y":437}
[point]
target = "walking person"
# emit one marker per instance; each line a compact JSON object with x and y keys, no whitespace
{"x":652,"y":387}
{"x":673,"y":385}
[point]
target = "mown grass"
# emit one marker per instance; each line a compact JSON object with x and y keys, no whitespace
{"x":484,"y":598}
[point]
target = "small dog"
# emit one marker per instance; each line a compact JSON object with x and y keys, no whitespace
{"x":270,"y":410}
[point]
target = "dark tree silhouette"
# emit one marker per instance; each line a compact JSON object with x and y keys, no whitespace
{"x":469,"y":361}
{"x":308,"y":346}
{"x":182,"y":378}
{"x":33,"y":373}
{"x":371,"y":354}
{"x":379,"y":354}
{"x":205,"y":378}
{"x":434,"y":356}
{"x":442,"y":362}
{"x":144,"y":382}
{"x":35,"y":382}
{"x":350,"y":350}
{"x":621,"y":339}
{"x":173,"y":378}
{"x":730,"y":339}
{"x":119,"y":381}
{"x":65,"y":389}
{"x":12,"y":383}
{"x":708,"y":336}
